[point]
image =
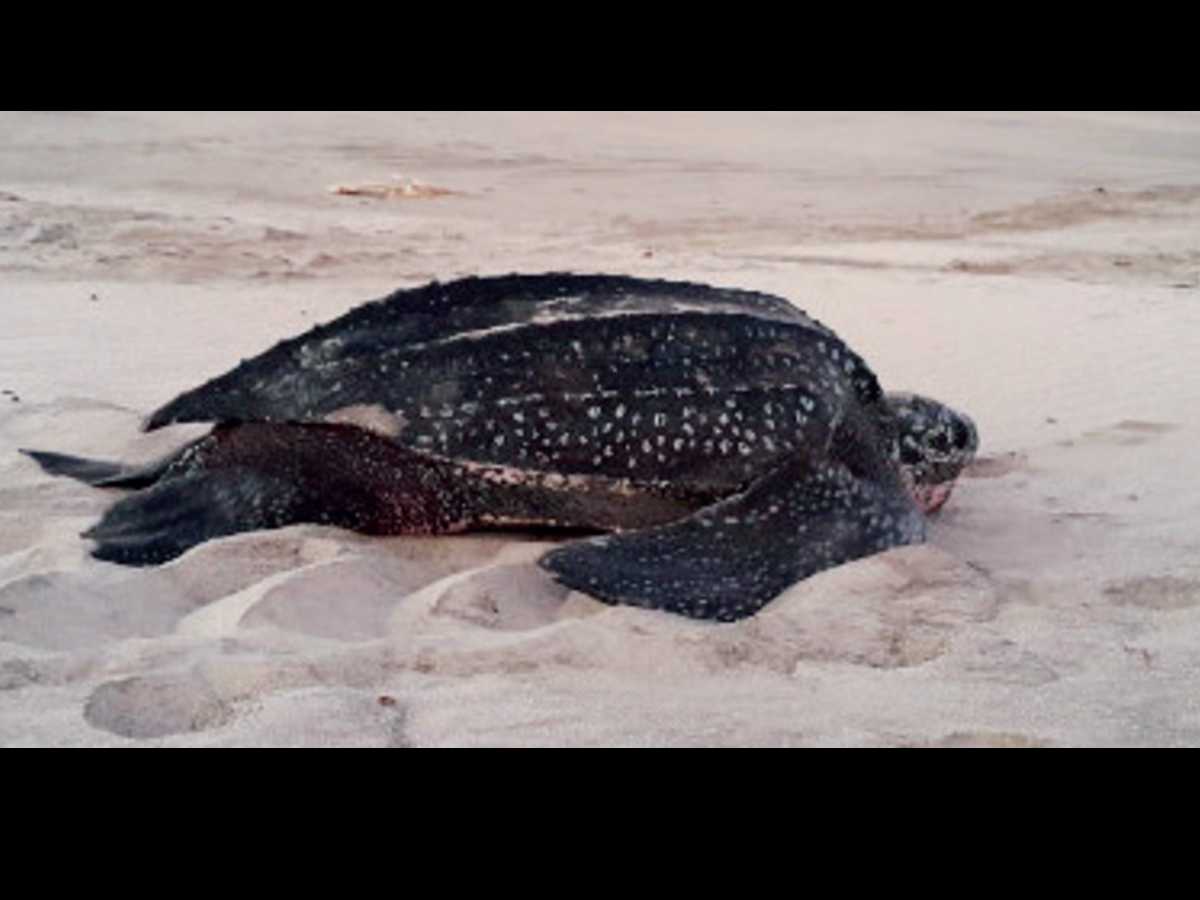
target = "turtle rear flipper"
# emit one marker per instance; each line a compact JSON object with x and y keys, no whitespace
{"x":262,"y":475}
{"x":728,"y":560}
{"x":220,"y":498}
{"x":99,"y":472}
{"x":158,"y":524}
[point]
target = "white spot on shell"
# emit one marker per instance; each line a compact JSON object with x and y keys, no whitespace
{"x":369,"y":417}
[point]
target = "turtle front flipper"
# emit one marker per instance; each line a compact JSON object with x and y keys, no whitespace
{"x":728,"y":560}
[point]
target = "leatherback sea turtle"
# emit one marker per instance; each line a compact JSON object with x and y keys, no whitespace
{"x":733,"y":444}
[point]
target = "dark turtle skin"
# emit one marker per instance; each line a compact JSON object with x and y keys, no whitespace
{"x":730,"y":443}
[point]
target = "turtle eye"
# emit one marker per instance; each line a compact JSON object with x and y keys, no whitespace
{"x":962,"y":436}
{"x":938,"y":442}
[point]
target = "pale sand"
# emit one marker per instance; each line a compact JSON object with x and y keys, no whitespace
{"x":968,"y":256}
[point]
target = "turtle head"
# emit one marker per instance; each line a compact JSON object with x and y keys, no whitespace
{"x":935,"y":444}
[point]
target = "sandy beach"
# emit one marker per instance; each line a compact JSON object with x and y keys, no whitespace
{"x":1038,"y":270}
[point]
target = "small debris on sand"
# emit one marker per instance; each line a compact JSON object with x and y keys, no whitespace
{"x":402,"y":189}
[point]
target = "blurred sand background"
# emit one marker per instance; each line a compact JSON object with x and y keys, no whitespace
{"x":1039,"y":270}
